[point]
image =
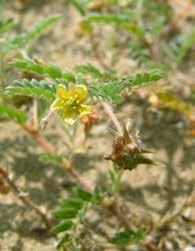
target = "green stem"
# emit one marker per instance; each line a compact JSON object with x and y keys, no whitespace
{"x":117,"y":181}
{"x":2,"y":74}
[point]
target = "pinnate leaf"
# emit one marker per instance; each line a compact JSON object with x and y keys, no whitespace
{"x":41,"y":89}
{"x":50,"y":70}
{"x":123,"y":238}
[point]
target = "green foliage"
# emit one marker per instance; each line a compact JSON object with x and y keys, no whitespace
{"x":112,"y":89}
{"x":2,"y":7}
{"x":141,"y":30}
{"x":107,"y":91}
{"x":41,"y":89}
{"x":64,"y":226}
{"x":74,"y":209}
{"x":122,"y":20}
{"x":106,"y":86}
{"x":187,"y":43}
{"x":12,"y":113}
{"x":157,"y":27}
{"x":192,"y":97}
{"x":123,"y":238}
{"x":50,"y":70}
{"x":115,"y":175}
{"x":141,"y":79}
{"x":139,"y":52}
{"x":78,"y":6}
{"x":66,"y":238}
{"x":51,"y":159}
{"x":177,"y":48}
{"x":72,"y":203}
{"x":155,"y":9}
{"x":146,"y":21}
{"x":89,"y":69}
{"x":21,"y":41}
{"x":66,"y":214}
{"x":6,"y":25}
{"x":83,"y":195}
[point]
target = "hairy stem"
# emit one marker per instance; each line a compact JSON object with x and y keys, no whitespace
{"x":109,"y":111}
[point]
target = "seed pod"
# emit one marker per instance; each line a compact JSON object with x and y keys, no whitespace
{"x":127,"y":153}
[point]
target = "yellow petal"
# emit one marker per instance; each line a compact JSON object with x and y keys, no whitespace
{"x":79,"y":92}
{"x":62,"y":92}
{"x":85,"y":109}
{"x":69,"y":121}
{"x":69,"y":115}
{"x":56,"y":104}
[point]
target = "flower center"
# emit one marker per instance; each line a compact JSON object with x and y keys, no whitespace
{"x":73,"y":102}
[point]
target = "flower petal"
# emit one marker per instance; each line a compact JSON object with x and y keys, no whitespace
{"x":85,"y":109}
{"x":57,"y":104}
{"x":62,"y":92}
{"x":69,"y":121}
{"x":69,"y":115}
{"x":79,"y":92}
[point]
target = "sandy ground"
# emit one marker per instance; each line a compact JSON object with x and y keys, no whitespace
{"x":156,"y":191}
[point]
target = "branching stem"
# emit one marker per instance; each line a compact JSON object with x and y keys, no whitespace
{"x":66,"y":165}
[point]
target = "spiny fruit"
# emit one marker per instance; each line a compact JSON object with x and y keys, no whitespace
{"x":127,"y":152}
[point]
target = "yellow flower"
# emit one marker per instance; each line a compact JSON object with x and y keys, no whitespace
{"x":69,"y":103}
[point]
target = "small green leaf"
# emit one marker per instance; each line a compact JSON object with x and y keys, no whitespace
{"x":123,"y":238}
{"x":50,"y":70}
{"x":66,"y":214}
{"x":64,"y":240}
{"x":72,"y":203}
{"x":41,"y":89}
{"x":186,"y":44}
{"x":83,"y":195}
{"x":141,"y":79}
{"x":49,"y":158}
{"x":12,"y":113}
{"x":78,"y":6}
{"x":64,"y":226}
{"x":112,"y":91}
{"x":97,"y":196}
{"x":119,"y":19}
{"x":109,"y":91}
{"x":67,"y":75}
{"x":89,"y":69}
{"x":6,"y":25}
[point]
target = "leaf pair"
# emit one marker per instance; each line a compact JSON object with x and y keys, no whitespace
{"x":71,"y":210}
